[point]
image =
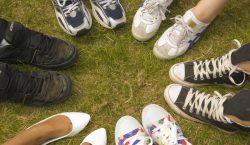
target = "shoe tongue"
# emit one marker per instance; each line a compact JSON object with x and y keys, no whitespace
{"x":14,"y":33}
{"x":149,"y":17}
{"x":178,"y":35}
{"x":166,"y":124}
{"x":68,"y":2}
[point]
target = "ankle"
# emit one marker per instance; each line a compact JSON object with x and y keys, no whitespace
{"x":193,"y":22}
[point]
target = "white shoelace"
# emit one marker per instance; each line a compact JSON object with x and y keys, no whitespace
{"x":168,"y":134}
{"x":201,"y":102}
{"x":180,"y":33}
{"x":106,"y":3}
{"x":68,"y":9}
{"x":143,"y":140}
{"x":151,"y":8}
{"x":220,"y":66}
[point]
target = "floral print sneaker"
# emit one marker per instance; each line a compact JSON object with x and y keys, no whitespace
{"x":129,"y":131}
{"x":162,"y":127}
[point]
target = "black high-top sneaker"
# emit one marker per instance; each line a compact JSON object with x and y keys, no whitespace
{"x":34,"y":88}
{"x":219,"y":70}
{"x":19,"y":44}
{"x":204,"y":108}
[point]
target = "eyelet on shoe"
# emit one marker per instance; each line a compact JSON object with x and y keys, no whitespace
{"x":221,"y":76}
{"x":184,"y":108}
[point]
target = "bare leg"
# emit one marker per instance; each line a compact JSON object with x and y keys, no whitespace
{"x":40,"y":133}
{"x":207,"y":10}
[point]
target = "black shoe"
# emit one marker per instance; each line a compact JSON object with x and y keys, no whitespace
{"x":22,"y":45}
{"x":201,"y":107}
{"x":35,"y":88}
{"x":214,"y":71}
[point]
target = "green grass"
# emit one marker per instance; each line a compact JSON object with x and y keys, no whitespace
{"x":117,"y":75}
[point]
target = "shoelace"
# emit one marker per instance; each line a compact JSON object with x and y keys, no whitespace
{"x":180,"y":32}
{"x":207,"y":105}
{"x":106,"y":3}
{"x":43,"y":45}
{"x":167,"y":135}
{"x":27,"y":85}
{"x":69,"y":8}
{"x":139,"y":140}
{"x":220,"y":66}
{"x":150,"y":7}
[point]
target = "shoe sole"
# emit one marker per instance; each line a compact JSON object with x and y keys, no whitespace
{"x":101,"y":22}
{"x":183,"y":114}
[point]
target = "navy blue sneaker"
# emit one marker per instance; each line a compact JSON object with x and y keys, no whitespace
{"x":109,"y":13}
{"x":73,"y":17}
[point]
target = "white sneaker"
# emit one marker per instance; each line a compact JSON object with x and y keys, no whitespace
{"x":177,"y":39}
{"x":129,"y":131}
{"x":148,"y":18}
{"x":162,"y":127}
{"x":79,"y":122}
{"x":98,"y":137}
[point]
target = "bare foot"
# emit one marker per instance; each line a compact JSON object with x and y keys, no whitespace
{"x":55,"y":127}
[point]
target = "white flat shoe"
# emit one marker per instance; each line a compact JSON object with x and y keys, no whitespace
{"x":98,"y":137}
{"x":79,"y":122}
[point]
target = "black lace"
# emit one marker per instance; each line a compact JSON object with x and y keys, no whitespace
{"x":25,"y":85}
{"x":40,"y":43}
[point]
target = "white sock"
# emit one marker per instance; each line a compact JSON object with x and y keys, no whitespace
{"x":193,"y":23}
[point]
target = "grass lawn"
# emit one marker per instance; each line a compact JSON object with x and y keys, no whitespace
{"x":117,"y":75}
